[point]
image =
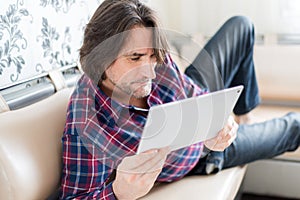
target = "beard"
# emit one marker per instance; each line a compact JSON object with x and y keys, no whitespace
{"x":138,"y":88}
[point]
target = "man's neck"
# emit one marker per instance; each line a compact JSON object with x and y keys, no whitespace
{"x":140,"y":103}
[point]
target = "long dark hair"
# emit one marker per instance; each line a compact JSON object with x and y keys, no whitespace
{"x":104,"y":38}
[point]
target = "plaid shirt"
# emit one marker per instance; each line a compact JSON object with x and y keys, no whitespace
{"x":99,"y":132}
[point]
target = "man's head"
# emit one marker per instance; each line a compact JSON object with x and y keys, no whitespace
{"x":122,"y":43}
{"x":132,"y":72}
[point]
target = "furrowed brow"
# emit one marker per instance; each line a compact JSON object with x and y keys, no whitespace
{"x":136,"y":54}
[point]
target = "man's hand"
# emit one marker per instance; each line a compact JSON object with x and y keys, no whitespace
{"x":224,"y":138}
{"x":136,"y":174}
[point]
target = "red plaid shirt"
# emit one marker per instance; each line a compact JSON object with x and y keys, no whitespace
{"x":99,"y":132}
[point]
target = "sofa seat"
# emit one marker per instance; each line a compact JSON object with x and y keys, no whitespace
{"x":221,"y":186}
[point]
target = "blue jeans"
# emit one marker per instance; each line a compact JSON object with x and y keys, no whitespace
{"x":227,"y":61}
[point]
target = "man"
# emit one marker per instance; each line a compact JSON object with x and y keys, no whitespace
{"x":127,"y":70}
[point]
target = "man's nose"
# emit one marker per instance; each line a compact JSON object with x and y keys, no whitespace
{"x":149,"y":70}
{"x":152,"y":73}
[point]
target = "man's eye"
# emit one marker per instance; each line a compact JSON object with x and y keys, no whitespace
{"x":135,"y":58}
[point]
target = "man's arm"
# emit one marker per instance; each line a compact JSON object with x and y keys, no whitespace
{"x":84,"y":174}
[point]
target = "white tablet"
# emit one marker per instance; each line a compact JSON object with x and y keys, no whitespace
{"x":185,"y":122}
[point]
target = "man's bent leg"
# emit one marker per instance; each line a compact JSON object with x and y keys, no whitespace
{"x":227,"y":60}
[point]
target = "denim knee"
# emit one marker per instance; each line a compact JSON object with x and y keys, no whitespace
{"x":241,"y":21}
{"x":295,"y":118}
{"x":294,"y":128}
{"x":241,"y":24}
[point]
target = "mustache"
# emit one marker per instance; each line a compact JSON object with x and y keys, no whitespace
{"x":141,"y":80}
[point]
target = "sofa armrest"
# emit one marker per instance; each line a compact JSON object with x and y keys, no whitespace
{"x":30,"y":148}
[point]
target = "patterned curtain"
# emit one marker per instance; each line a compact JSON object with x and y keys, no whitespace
{"x":40,"y":35}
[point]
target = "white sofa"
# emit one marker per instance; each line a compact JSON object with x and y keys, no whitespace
{"x":30,"y":158}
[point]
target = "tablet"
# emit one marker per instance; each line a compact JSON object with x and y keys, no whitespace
{"x":185,"y":122}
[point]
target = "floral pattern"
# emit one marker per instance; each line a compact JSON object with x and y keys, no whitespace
{"x":11,"y":49}
{"x":49,"y":36}
{"x":37,"y":36}
{"x":58,"y":5}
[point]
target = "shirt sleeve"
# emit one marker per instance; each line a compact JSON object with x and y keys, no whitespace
{"x":84,"y":174}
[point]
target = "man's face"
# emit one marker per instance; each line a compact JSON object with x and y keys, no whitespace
{"x":133,"y":70}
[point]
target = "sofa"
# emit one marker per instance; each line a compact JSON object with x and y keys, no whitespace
{"x":31,"y":154}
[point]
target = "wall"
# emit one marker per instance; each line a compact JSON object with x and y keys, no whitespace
{"x":190,"y":16}
{"x":277,"y":65}
{"x":39,"y":35}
